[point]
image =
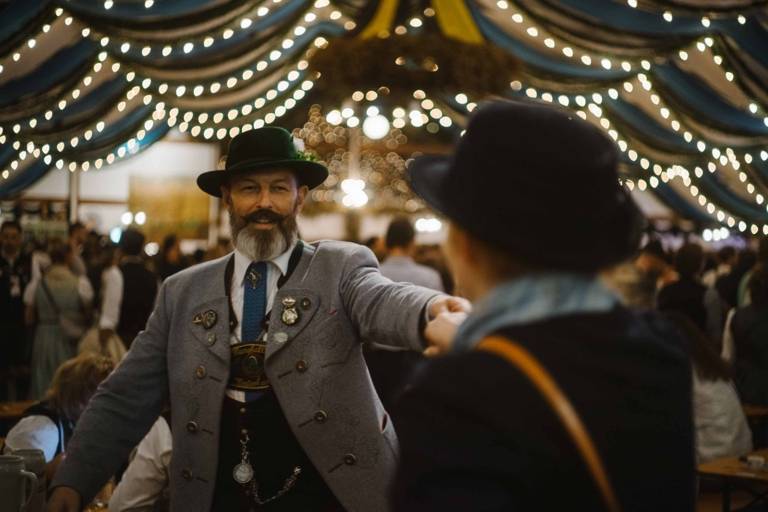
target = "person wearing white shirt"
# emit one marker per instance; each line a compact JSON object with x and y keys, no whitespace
{"x":720,"y":423}
{"x":145,"y":482}
{"x":48,"y":424}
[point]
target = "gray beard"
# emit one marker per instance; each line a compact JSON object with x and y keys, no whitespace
{"x":263,"y":245}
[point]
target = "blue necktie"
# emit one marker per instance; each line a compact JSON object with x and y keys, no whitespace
{"x":254,"y":301}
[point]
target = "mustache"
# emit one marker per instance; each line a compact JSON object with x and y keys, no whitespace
{"x":264,"y":215}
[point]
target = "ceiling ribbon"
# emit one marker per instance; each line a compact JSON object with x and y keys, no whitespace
{"x":456,"y":21}
{"x":382,"y":20}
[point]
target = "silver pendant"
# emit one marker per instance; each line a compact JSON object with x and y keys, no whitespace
{"x":290,"y":316}
{"x":243,"y":473}
{"x":253,"y":278}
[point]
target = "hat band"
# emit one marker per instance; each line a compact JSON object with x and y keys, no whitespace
{"x":260,"y":160}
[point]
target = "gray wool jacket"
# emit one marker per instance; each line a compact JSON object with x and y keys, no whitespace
{"x":178,"y":361}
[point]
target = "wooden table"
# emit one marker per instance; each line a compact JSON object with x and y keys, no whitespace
{"x":14,"y":410}
{"x":755,"y":412}
{"x":732,"y":472}
{"x":10,"y":413}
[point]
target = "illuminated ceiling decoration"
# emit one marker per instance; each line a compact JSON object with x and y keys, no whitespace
{"x":681,"y":85}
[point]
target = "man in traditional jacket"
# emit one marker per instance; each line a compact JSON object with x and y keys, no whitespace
{"x":259,"y":355}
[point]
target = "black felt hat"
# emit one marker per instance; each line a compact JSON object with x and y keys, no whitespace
{"x":538,"y":182}
{"x":266,"y":148}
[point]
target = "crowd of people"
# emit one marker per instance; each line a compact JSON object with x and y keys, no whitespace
{"x":55,"y":292}
{"x":296,"y":376}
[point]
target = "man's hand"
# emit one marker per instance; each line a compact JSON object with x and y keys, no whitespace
{"x":64,"y":499}
{"x":448,"y":304}
{"x":441,"y":331}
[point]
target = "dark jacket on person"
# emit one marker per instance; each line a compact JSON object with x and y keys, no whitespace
{"x":750,"y":336}
{"x":685,"y":296}
{"x":477,"y":435}
{"x":14,"y":278}
{"x":139,"y":292}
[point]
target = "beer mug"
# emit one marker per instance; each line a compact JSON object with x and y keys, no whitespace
{"x":17,"y":486}
{"x":34,"y":461}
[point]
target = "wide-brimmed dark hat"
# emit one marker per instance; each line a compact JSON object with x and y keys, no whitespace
{"x":268,"y":148}
{"x":537,"y":182}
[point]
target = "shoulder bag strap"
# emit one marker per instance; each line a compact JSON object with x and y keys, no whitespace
{"x":50,"y":296}
{"x":520,"y":358}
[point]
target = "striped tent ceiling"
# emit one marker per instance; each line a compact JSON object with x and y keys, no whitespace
{"x":681,"y":85}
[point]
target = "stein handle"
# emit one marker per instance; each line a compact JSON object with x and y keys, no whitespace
{"x":32,"y":487}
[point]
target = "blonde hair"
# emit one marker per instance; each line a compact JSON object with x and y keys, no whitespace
{"x":75,"y":381}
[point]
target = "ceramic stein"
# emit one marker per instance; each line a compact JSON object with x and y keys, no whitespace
{"x":17,"y":486}
{"x":34,"y":461}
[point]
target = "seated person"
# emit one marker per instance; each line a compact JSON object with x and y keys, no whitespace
{"x":144,"y":486}
{"x":718,"y":417}
{"x":49,"y":424}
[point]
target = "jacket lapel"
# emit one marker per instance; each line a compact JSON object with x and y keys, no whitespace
{"x":209,"y":319}
{"x":293,"y":307}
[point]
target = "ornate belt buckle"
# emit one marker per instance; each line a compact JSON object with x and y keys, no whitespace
{"x":247,"y":368}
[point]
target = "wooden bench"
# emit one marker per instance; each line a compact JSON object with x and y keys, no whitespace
{"x":734,"y":473}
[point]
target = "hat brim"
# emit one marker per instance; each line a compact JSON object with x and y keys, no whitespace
{"x":427,"y":176}
{"x":308,"y":173}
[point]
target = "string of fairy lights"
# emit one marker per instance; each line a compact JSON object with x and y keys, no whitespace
{"x":277,"y":80}
{"x":727,"y":157}
{"x":161,"y":91}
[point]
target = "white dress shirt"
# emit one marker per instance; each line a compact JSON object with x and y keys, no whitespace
{"x":112,"y":297}
{"x":276,"y":268}
{"x":147,"y":476}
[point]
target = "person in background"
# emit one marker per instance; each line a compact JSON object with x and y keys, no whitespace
{"x":95,"y":259}
{"x":632,"y":285}
{"x":48,"y":424}
{"x":726,"y":259}
{"x":390,"y":368}
{"x":653,"y":262}
{"x":111,"y":296}
{"x":144,"y":485}
{"x":714,"y":304}
{"x":15,"y":275}
{"x":399,"y":266}
{"x":222,"y":248}
{"x":77,"y":237}
{"x":721,"y":426}
{"x":59,"y":293}
{"x":746,"y":342}
{"x":728,"y":285}
{"x":198,"y":256}
{"x":171,"y":260}
{"x":744,"y":296}
{"x":485,"y":427}
{"x":376,"y":245}
{"x":433,"y":257}
{"x":686,"y":295}
{"x":129,"y":291}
